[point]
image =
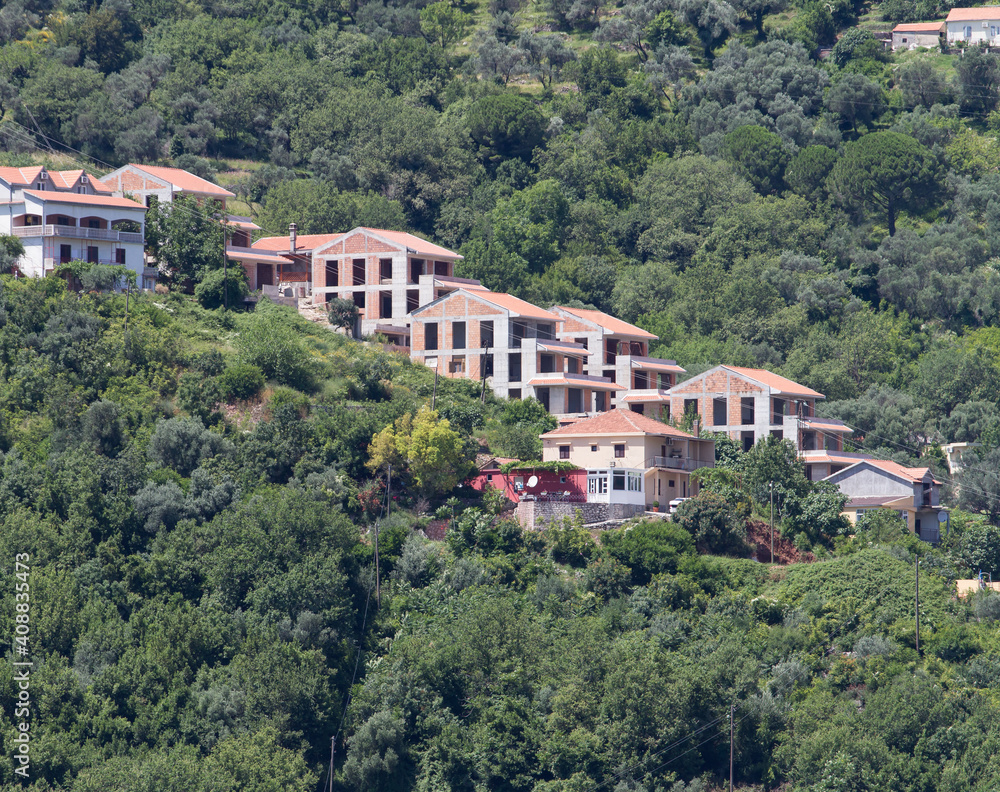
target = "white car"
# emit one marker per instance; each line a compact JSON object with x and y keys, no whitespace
{"x":672,"y":509}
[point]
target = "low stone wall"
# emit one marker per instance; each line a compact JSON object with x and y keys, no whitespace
{"x":534,"y":514}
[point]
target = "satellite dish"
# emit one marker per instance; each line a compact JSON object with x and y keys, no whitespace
{"x":533,"y":481}
{"x":942,"y":517}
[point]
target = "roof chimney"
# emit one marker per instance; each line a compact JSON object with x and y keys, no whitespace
{"x":293,"y":237}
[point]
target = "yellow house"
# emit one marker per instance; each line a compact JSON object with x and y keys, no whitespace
{"x":665,"y":456}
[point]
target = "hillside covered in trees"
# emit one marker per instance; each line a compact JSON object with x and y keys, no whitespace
{"x":198,"y":491}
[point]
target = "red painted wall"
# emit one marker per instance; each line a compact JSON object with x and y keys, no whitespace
{"x":575,"y":484}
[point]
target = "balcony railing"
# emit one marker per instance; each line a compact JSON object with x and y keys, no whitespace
{"x":676,"y":463}
{"x":76,"y":232}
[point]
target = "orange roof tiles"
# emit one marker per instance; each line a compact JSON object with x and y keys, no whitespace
{"x":579,"y":380}
{"x":973,"y":14}
{"x":919,"y":27}
{"x":618,"y":422}
{"x":515,"y":305}
{"x":643,"y":398}
{"x":303,"y":242}
{"x":20,"y":175}
{"x":565,"y":347}
{"x":827,"y":425}
{"x":656,"y":364}
{"x":88,"y":200}
{"x":415,"y":243}
{"x":607,"y":322}
{"x":775,"y":381}
{"x":912,"y":474}
{"x":184,"y":181}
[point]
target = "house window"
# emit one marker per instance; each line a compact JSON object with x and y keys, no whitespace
{"x":618,"y":480}
{"x":431,"y":335}
{"x":514,"y":393}
{"x":120,"y":256}
{"x":690,"y":406}
{"x":546,"y":364}
{"x":778,"y":434}
{"x":92,"y":254}
{"x":487,"y":367}
{"x":457,"y":365}
{"x":593,"y":449}
{"x":597,"y":484}
{"x":486,"y":334}
{"x":564,"y":452}
{"x":65,"y":253}
{"x":720,"y":411}
{"x":489,"y":477}
{"x":514,"y":366}
{"x":359,"y":272}
{"x":641,"y":381}
{"x":562,"y":479}
{"x":574,"y":398}
{"x":778,"y":410}
{"x":412,"y":300}
{"x":620,"y":451}
{"x":441,"y":268}
{"x":458,"y":335}
{"x":808,"y":441}
{"x":634,"y":482}
{"x":385,"y":268}
{"x":385,"y":306}
{"x":670,"y":482}
{"x":571,"y":365}
{"x":545,"y":331}
{"x":581,"y":341}
{"x":416,"y":270}
{"x":542,"y":394}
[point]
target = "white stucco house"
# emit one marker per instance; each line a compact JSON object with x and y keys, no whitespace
{"x":912,"y":35}
{"x":61,"y":216}
{"x":973,"y":25}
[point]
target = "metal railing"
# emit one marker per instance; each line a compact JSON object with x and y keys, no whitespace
{"x":76,"y":232}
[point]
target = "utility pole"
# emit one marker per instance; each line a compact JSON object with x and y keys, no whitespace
{"x":771,"y":488}
{"x":732,"y":718}
{"x":378,"y":590}
{"x":482,"y":396}
{"x":225,"y":265}
{"x":916,"y":601}
{"x":388,"y":490}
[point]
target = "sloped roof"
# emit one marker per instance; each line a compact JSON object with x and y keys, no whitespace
{"x":281,"y":244}
{"x":565,"y":347}
{"x":919,"y":27}
{"x":185,"y":181}
{"x":579,"y":380}
{"x":618,"y":422}
{"x":973,"y":14}
{"x":613,"y":325}
{"x":515,"y":305}
{"x":415,"y":243}
{"x":656,"y":364}
{"x":875,"y":502}
{"x":912,"y":474}
{"x":20,"y":175}
{"x":775,"y":381}
{"x":827,"y":425}
{"x":88,"y":200}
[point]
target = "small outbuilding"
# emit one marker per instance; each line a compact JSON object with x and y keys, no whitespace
{"x":913,"y":35}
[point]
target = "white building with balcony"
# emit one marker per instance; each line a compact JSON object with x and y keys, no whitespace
{"x":631,"y":457}
{"x":62,"y":216}
{"x":619,"y":352}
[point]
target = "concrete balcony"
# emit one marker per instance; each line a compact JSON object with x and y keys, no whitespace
{"x":76,"y":232}
{"x":677,"y":463}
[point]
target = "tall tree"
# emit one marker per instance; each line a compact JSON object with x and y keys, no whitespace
{"x":886,"y":172}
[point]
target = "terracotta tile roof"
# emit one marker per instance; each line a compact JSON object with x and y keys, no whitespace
{"x":919,"y":27}
{"x":242,"y":222}
{"x":281,"y":244}
{"x":578,"y":380}
{"x":775,"y":381}
{"x":833,"y":457}
{"x":565,"y":348}
{"x":184,"y":181}
{"x":973,"y":14}
{"x":646,"y":398}
{"x":266,"y":256}
{"x":516,"y":306}
{"x":415,"y":243}
{"x":469,"y":284}
{"x":912,"y":474}
{"x":89,"y":200}
{"x":827,"y":425}
{"x":656,"y":364}
{"x":20,"y":175}
{"x":611,"y":324}
{"x":618,"y":422}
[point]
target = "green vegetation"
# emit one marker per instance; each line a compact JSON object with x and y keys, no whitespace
{"x":199,"y":492}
